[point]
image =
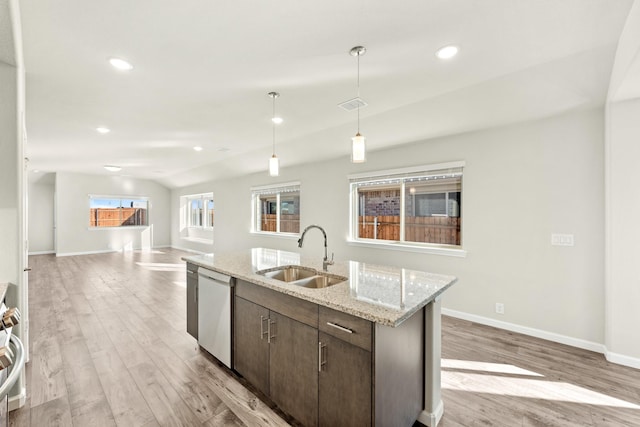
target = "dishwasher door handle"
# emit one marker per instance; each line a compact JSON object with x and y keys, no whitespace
{"x":219,"y":278}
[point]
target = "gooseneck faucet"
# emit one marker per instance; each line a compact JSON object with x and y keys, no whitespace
{"x":325,"y":261}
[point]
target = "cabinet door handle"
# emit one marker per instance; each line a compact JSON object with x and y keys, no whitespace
{"x":262,"y":332}
{"x":195,"y":294}
{"x":342,"y":328}
{"x":321,"y":362}
{"x":269,"y":336}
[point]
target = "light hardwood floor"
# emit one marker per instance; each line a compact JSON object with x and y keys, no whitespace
{"x":109,"y":347}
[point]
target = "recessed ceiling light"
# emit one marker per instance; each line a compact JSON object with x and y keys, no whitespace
{"x":277,"y":120}
{"x":103,"y":130}
{"x":36,"y":171}
{"x":447,"y":52}
{"x":224,"y":149}
{"x":197,"y":148}
{"x":120,"y":64}
{"x":112,"y":168}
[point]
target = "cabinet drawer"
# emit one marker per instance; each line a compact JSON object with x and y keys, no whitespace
{"x":351,"y":329}
{"x":294,"y":308}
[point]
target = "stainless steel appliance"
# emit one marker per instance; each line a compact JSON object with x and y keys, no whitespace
{"x":12,"y":360}
{"x":214,"y":314}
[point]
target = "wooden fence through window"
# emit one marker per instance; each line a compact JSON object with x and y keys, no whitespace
{"x":423,"y":229}
{"x":117,"y":217}
{"x":288,"y":223}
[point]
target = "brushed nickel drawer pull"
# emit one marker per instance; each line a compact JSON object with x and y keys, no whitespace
{"x":262,"y":332}
{"x":320,"y":352}
{"x":342,"y":328}
{"x":269,"y":336}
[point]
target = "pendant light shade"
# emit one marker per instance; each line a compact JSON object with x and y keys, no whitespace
{"x":274,"y":163}
{"x":358,"y":149}
{"x":358,"y":146}
{"x":274,"y":166}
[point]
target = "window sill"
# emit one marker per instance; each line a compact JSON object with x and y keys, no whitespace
{"x":119,"y":227}
{"x":274,"y":234}
{"x":433,"y":249}
{"x":198,"y":240}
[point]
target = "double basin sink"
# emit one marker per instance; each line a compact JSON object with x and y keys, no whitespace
{"x":302,"y":276}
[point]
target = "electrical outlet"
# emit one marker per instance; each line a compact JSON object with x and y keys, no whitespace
{"x":562,"y":239}
{"x":499,"y":308}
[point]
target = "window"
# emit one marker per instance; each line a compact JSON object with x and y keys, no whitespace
{"x":276,"y":209}
{"x":419,"y":206}
{"x":200,"y":210}
{"x":110,"y":211}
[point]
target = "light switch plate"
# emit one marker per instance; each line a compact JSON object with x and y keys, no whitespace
{"x":562,"y":239}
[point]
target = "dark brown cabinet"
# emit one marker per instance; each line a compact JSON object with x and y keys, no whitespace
{"x":279,"y":356}
{"x":325,"y":367}
{"x":344,"y":380}
{"x":293,"y":368}
{"x":251,"y":347}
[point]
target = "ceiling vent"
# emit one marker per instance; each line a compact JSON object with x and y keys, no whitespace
{"x":353,"y":104}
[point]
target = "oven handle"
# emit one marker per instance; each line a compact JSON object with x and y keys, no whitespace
{"x":16,"y":368}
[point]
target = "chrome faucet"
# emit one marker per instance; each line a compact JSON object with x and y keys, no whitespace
{"x":325,"y":261}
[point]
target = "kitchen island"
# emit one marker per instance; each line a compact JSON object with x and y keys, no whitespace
{"x":391,"y":314}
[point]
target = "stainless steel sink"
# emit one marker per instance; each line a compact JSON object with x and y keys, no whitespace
{"x":289,"y":273}
{"x":303,"y":276}
{"x":320,"y":281}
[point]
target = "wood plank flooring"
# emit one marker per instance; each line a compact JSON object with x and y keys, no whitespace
{"x":499,"y":378}
{"x":109,"y":348}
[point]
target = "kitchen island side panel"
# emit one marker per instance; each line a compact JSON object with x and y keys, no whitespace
{"x":399,"y":372}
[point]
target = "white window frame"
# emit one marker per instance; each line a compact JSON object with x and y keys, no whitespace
{"x":398,"y":177}
{"x":205,"y":210}
{"x":120,"y":198}
{"x":277,"y":190}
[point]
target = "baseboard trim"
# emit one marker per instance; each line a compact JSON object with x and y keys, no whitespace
{"x":199,"y":240}
{"x":107,"y":251}
{"x":18,"y":401}
{"x":621,"y":359}
{"x":187,"y":250}
{"x":618,"y":359}
{"x":546,"y":335}
{"x":432,"y":419}
{"x":42,"y":252}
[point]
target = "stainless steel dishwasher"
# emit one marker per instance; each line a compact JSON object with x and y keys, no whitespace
{"x":214,"y":313}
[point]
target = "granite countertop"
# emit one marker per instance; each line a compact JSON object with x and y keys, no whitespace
{"x":381,"y":294}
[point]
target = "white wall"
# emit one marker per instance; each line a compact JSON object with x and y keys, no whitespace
{"x":623,"y":279}
{"x":521,"y":183}
{"x":72,"y":214}
{"x":622,"y":201}
{"x":8,"y":175}
{"x":13,"y":260}
{"x":41,"y":194}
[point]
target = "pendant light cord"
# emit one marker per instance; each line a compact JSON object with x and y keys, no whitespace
{"x":274,"y":125}
{"x":358,"y":83}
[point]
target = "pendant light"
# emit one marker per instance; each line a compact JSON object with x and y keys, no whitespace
{"x":274,"y":166}
{"x":358,"y":148}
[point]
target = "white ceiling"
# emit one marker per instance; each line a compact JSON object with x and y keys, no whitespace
{"x":203,"y":70}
